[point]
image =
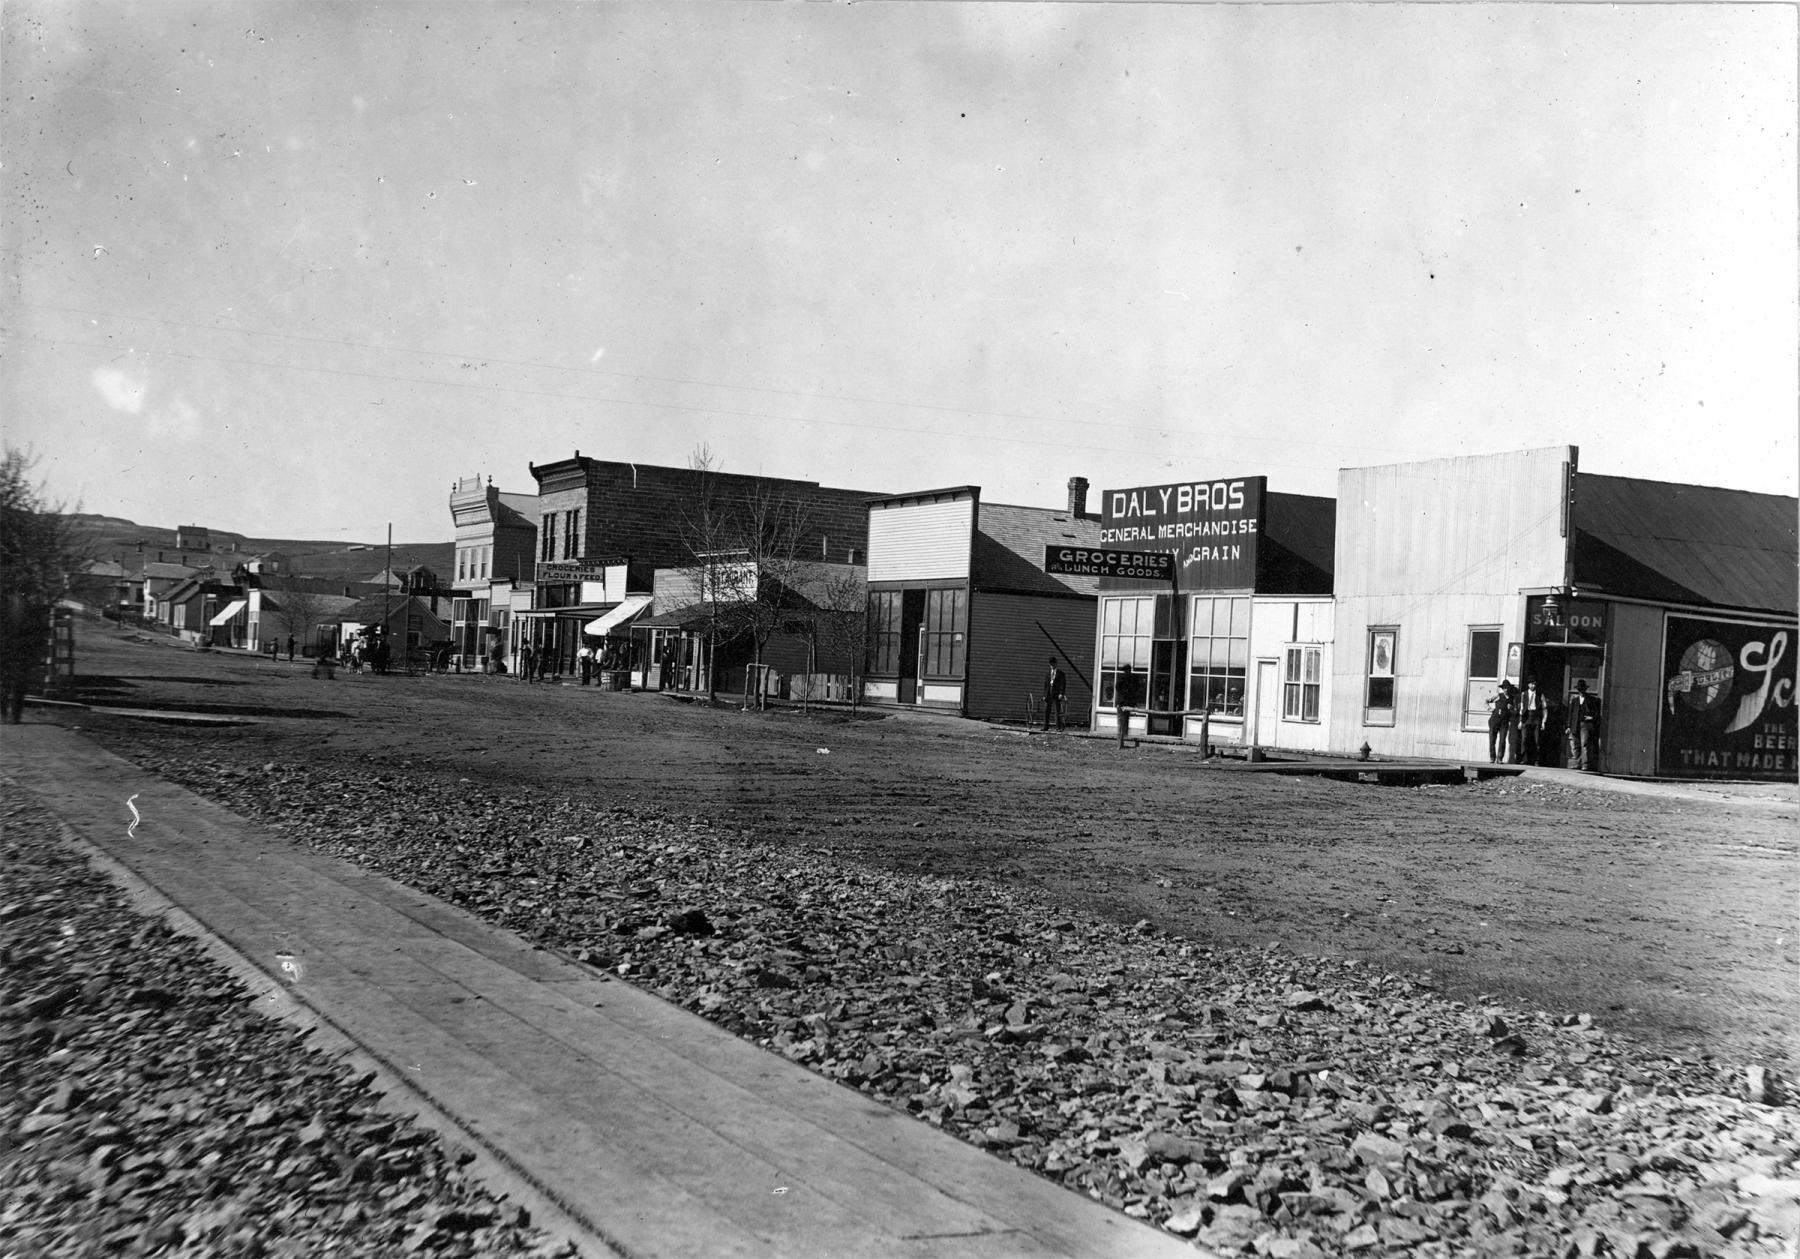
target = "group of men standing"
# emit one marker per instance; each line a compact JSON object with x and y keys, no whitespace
{"x":1523,"y":726}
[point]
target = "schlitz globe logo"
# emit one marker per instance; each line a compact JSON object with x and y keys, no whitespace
{"x":1703,"y":682}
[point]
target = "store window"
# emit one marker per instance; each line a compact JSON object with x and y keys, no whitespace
{"x":1378,"y":691}
{"x":1483,"y":675}
{"x":946,"y":632}
{"x":1219,"y":655}
{"x":1127,"y":626}
{"x":884,"y":632}
{"x":1300,"y":685}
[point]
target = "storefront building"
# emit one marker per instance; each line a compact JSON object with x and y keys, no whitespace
{"x":1672,"y":605}
{"x":962,"y":616}
{"x":791,"y":630}
{"x":496,"y":546}
{"x":616,"y":524}
{"x":1236,"y":649}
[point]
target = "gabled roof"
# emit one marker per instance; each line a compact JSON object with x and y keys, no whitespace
{"x":158,"y":568}
{"x":1008,"y":550}
{"x":1686,"y":543}
{"x":368,"y":610}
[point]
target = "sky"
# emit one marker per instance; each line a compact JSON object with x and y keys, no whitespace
{"x":291,"y":269}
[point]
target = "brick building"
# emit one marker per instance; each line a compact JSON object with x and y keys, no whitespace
{"x":606,"y":527}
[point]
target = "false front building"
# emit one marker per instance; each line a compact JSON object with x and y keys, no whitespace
{"x":962,"y":616}
{"x":496,"y":545}
{"x":1235,"y":649}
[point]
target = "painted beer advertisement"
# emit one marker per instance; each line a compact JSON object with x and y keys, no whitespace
{"x":1728,"y":700}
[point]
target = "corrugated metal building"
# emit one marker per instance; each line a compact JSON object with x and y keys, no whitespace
{"x":1673,"y":605}
{"x":962,"y":616}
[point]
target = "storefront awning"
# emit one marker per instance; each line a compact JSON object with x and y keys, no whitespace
{"x":627,"y":611}
{"x":231,"y":610}
{"x":578,"y":612}
{"x":689,"y":617}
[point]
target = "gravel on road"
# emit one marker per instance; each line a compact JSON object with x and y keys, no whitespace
{"x":1253,"y":1099}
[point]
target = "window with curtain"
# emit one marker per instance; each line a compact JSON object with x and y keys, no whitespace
{"x":1378,"y":693}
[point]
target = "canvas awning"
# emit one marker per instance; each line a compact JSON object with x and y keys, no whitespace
{"x":628,"y":610}
{"x":689,"y":617}
{"x":231,"y":610}
{"x":577,"y":612}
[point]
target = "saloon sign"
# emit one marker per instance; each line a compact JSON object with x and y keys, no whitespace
{"x":1728,"y":700}
{"x":1211,"y":526}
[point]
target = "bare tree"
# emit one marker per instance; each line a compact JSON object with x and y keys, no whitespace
{"x":42,"y":547}
{"x":840,"y":620}
{"x":297,"y":613}
{"x":709,"y":533}
{"x":770,"y":528}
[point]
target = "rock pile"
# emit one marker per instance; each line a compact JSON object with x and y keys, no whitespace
{"x":148,"y":1109}
{"x":1253,"y":1100}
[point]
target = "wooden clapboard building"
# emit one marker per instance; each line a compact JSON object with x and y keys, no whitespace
{"x":1237,"y":648}
{"x":962,"y":617}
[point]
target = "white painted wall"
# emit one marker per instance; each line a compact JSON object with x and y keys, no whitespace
{"x":1434,"y":548}
{"x":1275,"y":625}
{"x":927,"y":541}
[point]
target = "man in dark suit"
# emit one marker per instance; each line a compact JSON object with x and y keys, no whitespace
{"x":1056,"y":686}
{"x":1584,"y":728}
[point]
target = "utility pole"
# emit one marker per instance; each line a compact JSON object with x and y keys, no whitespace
{"x":387,"y":584}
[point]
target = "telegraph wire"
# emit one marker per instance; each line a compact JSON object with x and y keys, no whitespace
{"x":1150,"y":430}
{"x":481,"y":386}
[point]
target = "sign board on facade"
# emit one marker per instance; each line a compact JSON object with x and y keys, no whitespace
{"x":574,"y":570}
{"x":1211,"y":526}
{"x":1084,"y":561}
{"x":1565,"y":621}
{"x":1728,"y":700}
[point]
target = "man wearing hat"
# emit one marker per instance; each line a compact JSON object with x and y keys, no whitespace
{"x":1500,"y":720}
{"x":1584,"y":728}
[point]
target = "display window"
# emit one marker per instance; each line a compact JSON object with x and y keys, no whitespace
{"x":1127,"y":626}
{"x":1218,"y":654}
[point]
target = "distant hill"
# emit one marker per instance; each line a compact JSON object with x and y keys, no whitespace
{"x":116,"y":538}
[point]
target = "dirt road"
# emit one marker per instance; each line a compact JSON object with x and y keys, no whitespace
{"x":1670,"y":918}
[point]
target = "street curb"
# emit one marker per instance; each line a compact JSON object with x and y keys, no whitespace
{"x":562,"y":1221}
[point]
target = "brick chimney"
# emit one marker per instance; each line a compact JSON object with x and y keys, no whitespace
{"x":1078,"y":488}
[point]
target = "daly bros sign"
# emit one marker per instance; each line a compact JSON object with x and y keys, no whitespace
{"x":1728,"y":700}
{"x":1211,"y":526}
